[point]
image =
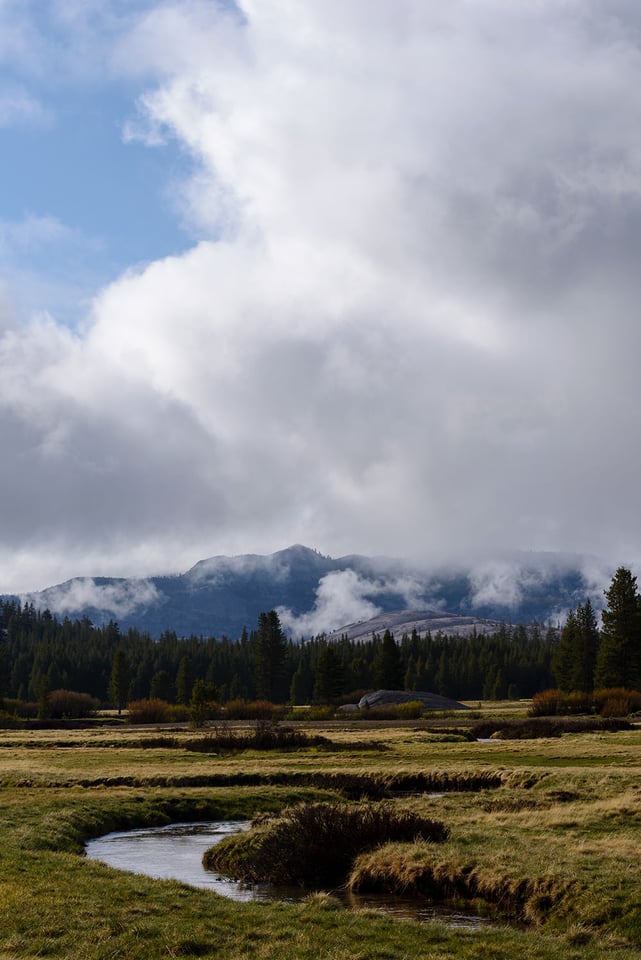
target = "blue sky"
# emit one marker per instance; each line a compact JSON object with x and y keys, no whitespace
{"x":350,"y":273}
{"x":81,"y":201}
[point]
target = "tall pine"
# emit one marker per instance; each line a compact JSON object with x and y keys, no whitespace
{"x":619,"y":659}
{"x":270,"y":654}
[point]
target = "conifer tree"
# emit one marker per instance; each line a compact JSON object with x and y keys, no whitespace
{"x":619,"y":658}
{"x":588,"y":639}
{"x":120,"y":678}
{"x":184,"y":680}
{"x":565,"y":652}
{"x":270,"y":652}
{"x":388,"y":667}
{"x":328,"y":678}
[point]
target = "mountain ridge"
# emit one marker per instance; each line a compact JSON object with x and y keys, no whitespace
{"x":315,"y":593}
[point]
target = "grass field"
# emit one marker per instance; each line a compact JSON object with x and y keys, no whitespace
{"x":556,"y":846}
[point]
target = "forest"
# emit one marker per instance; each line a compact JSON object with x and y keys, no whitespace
{"x":40,"y":653}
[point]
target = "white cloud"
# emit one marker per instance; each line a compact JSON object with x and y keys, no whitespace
{"x":345,"y":597}
{"x":113,"y":600}
{"x":340,"y":600}
{"x":411,"y":323}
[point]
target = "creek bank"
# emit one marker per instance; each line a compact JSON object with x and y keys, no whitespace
{"x":175,"y":852}
{"x":315,"y":844}
{"x":418,"y":870}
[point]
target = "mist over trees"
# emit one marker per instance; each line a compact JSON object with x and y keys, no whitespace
{"x":39,"y":652}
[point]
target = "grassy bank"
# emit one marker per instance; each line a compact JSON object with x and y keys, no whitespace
{"x":553,"y":839}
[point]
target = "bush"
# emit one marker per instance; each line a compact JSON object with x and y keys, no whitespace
{"x":548,"y":703}
{"x":254,"y":710}
{"x":617,"y":702}
{"x":411,"y":710}
{"x":313,"y":714}
{"x":21,"y":708}
{"x":71,"y":705}
{"x":315,"y":844}
{"x":541,"y":727}
{"x":9,"y":721}
{"x":148,"y":711}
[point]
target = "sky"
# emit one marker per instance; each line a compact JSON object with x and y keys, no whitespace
{"x":350,"y":273}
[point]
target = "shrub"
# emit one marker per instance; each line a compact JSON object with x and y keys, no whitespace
{"x":314,"y":844}
{"x":9,"y":721}
{"x":178,"y":712}
{"x":541,"y":727}
{"x":148,"y":711}
{"x":617,"y":702}
{"x":318,"y":713}
{"x":71,"y":705}
{"x":548,"y":703}
{"x":254,"y":710}
{"x":411,"y":710}
{"x":21,"y":708}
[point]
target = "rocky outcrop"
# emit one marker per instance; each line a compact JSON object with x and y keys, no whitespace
{"x":430,"y":701}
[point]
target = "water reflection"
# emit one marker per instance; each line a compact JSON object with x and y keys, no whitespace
{"x":175,"y":852}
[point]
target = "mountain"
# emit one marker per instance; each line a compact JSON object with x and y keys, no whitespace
{"x":315,"y":593}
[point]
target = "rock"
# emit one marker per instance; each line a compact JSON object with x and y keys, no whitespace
{"x":430,"y":701}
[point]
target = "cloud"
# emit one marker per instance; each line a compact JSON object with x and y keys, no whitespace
{"x":340,"y":599}
{"x":410,"y":325}
{"x":344,"y":597}
{"x":112,"y":600}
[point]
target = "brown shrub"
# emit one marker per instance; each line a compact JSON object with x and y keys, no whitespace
{"x":253,"y":710}
{"x":148,"y":711}
{"x":617,"y":702}
{"x":71,"y":705}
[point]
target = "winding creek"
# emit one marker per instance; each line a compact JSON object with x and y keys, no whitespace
{"x":175,"y":852}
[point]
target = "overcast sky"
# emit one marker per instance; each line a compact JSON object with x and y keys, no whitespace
{"x":360,"y":274}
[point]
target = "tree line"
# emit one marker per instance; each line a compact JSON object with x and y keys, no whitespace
{"x":39,"y":653}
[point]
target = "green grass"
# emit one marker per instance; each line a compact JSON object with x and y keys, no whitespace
{"x":567,"y":815}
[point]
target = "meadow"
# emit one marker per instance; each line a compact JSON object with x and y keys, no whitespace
{"x":550,"y":849}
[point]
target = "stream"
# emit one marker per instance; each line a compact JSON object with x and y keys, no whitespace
{"x":175,"y":852}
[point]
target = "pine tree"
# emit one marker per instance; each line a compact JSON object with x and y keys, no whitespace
{"x":584,"y":665}
{"x":388,"y":667}
{"x":619,"y":657}
{"x":270,"y":652}
{"x":120,"y":678}
{"x":328,"y":676}
{"x":184,"y":680}
{"x":565,"y":652}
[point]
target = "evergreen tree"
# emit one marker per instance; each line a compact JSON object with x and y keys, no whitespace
{"x":270,"y":652}
{"x":162,"y":686}
{"x":300,"y":690}
{"x":328,"y":676}
{"x":565,"y":652}
{"x":184,"y":679}
{"x":201,"y":702}
{"x":388,"y":666}
{"x":587,"y":650}
{"x":120,"y":678}
{"x":43,"y":697}
{"x":619,"y":657}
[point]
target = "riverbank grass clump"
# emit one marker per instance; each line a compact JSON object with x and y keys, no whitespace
{"x":414,"y":869}
{"x":315,"y":844}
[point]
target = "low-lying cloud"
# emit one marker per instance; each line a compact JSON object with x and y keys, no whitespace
{"x":112,"y":599}
{"x":344,"y":597}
